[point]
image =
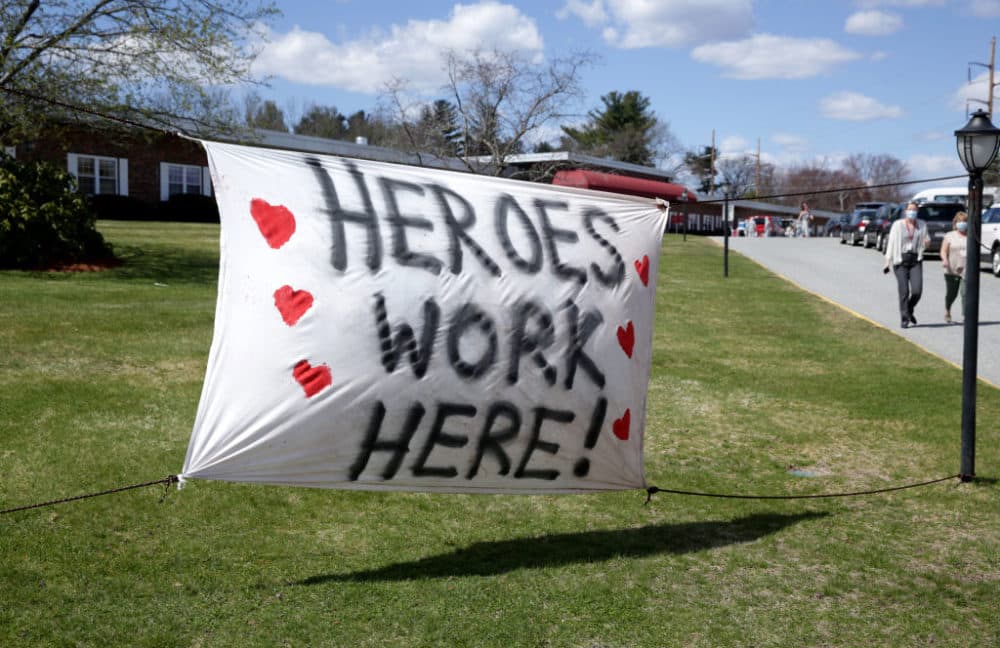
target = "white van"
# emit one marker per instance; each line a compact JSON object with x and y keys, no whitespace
{"x":952,"y":194}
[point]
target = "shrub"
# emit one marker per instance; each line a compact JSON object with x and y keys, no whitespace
{"x":44,"y":223}
{"x":189,"y":208}
{"x":115,"y":207}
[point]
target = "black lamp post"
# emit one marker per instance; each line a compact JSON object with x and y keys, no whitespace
{"x":724,"y":188}
{"x":977,"y":148}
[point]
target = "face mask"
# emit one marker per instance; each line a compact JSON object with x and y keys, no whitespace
{"x":911,"y":215}
{"x":962,"y":226}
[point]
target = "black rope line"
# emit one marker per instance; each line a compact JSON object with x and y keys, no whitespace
{"x":88,"y":111}
{"x":836,"y":190}
{"x":171,"y":479}
{"x":652,"y":490}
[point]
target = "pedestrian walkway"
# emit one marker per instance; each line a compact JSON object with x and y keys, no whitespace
{"x":852,"y":278}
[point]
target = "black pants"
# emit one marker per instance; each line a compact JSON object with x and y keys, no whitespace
{"x":910,"y":282}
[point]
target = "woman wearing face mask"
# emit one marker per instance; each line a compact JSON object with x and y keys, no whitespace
{"x":904,"y":251}
{"x":953,"y":262}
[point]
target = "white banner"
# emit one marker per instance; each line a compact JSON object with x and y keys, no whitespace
{"x":398,"y":328}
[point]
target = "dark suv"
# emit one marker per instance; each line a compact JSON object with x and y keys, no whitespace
{"x":938,"y":216}
{"x":878,"y":230}
{"x":835,"y":224}
{"x":854,"y":231}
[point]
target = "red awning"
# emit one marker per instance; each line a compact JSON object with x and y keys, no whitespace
{"x":624,"y":185}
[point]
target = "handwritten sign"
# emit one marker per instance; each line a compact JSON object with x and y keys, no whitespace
{"x":398,"y":328}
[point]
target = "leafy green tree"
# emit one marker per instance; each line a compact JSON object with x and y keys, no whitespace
{"x":265,"y":115}
{"x":439,"y":124}
{"x":701,"y":164}
{"x":322,"y":121}
{"x":624,"y":129}
{"x":149,"y":60}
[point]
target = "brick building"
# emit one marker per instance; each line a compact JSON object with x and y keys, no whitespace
{"x":144,"y":165}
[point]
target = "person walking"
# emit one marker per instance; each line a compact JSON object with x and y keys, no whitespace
{"x":953,"y":262}
{"x":904,"y":252}
{"x":805,"y":220}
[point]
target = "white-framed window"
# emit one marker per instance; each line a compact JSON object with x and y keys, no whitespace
{"x":184,"y":179}
{"x":99,"y":175}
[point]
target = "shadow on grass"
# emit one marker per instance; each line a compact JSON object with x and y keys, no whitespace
{"x":167,"y":264}
{"x":493,"y":558}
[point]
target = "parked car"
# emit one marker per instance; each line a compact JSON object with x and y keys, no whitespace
{"x":765,"y":226}
{"x":938,"y":216}
{"x":990,"y":239}
{"x":835,"y":224}
{"x":853,"y":231}
{"x":878,"y":229}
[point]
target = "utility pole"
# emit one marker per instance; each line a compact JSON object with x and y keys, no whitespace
{"x":993,"y":49}
{"x":711,"y":167}
{"x":992,"y":84}
{"x":756,"y":182}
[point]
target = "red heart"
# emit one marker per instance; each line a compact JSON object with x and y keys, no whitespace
{"x":626,"y":338}
{"x":312,"y":379}
{"x":642,"y":266}
{"x":620,"y":426}
{"x":275,"y":222}
{"x":292,"y":304}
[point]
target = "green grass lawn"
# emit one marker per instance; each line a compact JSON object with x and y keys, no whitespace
{"x":100,"y":375}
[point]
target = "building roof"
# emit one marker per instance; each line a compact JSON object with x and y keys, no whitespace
{"x":322,"y":145}
{"x":573,"y":158}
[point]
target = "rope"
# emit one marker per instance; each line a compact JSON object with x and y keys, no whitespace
{"x":171,"y":479}
{"x":652,"y":490}
{"x":836,"y":190}
{"x":84,"y":109}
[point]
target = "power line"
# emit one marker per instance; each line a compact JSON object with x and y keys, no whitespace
{"x":82,"y":109}
{"x":840,"y":189}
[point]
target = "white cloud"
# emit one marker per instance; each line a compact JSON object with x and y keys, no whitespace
{"x":411,"y":51}
{"x":985,"y":8}
{"x":964,"y":96}
{"x":764,"y":56}
{"x":934,"y":166}
{"x":733,"y":146}
{"x":591,"y":13}
{"x":879,"y":55}
{"x":791,"y":143}
{"x":852,"y":106}
{"x":671,"y":23}
{"x":873,"y":23}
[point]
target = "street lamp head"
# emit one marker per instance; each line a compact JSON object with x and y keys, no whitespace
{"x":725,"y":189}
{"x":978,"y":142}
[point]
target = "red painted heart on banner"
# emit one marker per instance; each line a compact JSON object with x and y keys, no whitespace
{"x":626,"y":338}
{"x":621,"y":425}
{"x":275,"y":222}
{"x":292,"y":304}
{"x":642,"y":267}
{"x":312,"y":379}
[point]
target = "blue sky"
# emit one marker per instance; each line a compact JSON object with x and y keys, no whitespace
{"x":812,"y":79}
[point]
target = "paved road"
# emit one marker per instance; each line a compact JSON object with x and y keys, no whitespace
{"x":852,"y":277}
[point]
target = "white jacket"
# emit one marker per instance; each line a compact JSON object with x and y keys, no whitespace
{"x":899,"y":240}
